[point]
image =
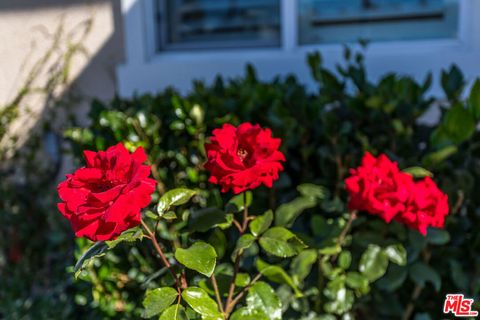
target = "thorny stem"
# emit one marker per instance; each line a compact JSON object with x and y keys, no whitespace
{"x":217,"y":294}
{"x":183,"y":276}
{"x":237,"y":225}
{"x":230,"y":303}
{"x":242,"y":293}
{"x":353,"y":216}
{"x":346,"y":229}
{"x":245,"y":213}
{"x":459,"y":203}
{"x":164,"y":259}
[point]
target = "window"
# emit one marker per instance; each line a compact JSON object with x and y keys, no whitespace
{"x":339,"y":21}
{"x":203,"y":24}
{"x":187,"y":24}
{"x":171,"y":42}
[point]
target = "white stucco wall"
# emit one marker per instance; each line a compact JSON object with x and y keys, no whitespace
{"x":26,"y":31}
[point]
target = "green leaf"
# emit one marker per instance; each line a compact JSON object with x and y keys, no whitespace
{"x":201,"y":302}
{"x":416,"y":243}
{"x":474,"y":99}
{"x":204,"y":219}
{"x":170,"y":215}
{"x":333,"y":205}
{"x":330,"y":250}
{"x":422,"y":273}
{"x":458,"y":123}
{"x":276,"y":274}
{"x":261,"y":223}
{"x":397,"y":254}
{"x":200,"y":257}
{"x":175,"y":197}
{"x":458,"y":275}
{"x":344,"y":260}
{"x":228,"y":221}
{"x":242,"y":279}
{"x":342,"y":297}
{"x":312,"y":190}
{"x":326,"y":317}
{"x":281,"y":242}
{"x":149,"y":214}
{"x":356,"y":280}
{"x":236,"y":204}
{"x":130,"y":235}
{"x":437,"y":236}
{"x":286,"y":214}
{"x":97,"y":250}
{"x":439,"y":156}
{"x":328,"y":270}
{"x":393,"y":279}
{"x":302,"y":264}
{"x":320,"y":227}
{"x":219,"y":241}
{"x":248,"y":314}
{"x":262,"y":297}
{"x":418,"y":172}
{"x":157,"y":300}
{"x":175,"y":312}
{"x":244,"y":242}
{"x":452,"y":82}
{"x":373,"y":262}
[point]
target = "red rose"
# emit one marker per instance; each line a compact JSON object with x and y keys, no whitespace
{"x":104,"y":198}
{"x":243,"y":158}
{"x":378,"y":187}
{"x":427,"y":206}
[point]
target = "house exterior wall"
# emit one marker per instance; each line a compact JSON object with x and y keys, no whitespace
{"x":28,"y":28}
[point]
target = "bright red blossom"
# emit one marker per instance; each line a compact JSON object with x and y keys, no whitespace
{"x":104,"y":198}
{"x":378,"y":187}
{"x":427,"y":206}
{"x":244,"y":157}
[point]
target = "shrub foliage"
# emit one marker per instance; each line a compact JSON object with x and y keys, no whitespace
{"x":376,"y":271}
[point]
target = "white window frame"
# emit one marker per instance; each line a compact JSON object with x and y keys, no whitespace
{"x":149,"y":70}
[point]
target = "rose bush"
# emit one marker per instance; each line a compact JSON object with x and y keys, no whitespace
{"x":372,"y":270}
{"x":114,"y":186}
{"x":103,"y":199}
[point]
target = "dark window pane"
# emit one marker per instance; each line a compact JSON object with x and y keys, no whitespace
{"x":219,"y":23}
{"x":324,"y":21}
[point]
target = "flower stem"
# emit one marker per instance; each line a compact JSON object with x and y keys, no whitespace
{"x":245,"y":213}
{"x":164,"y":259}
{"x":230,"y":303}
{"x":346,"y":229}
{"x":353,"y":216}
{"x":242,"y":293}
{"x":217,"y":294}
